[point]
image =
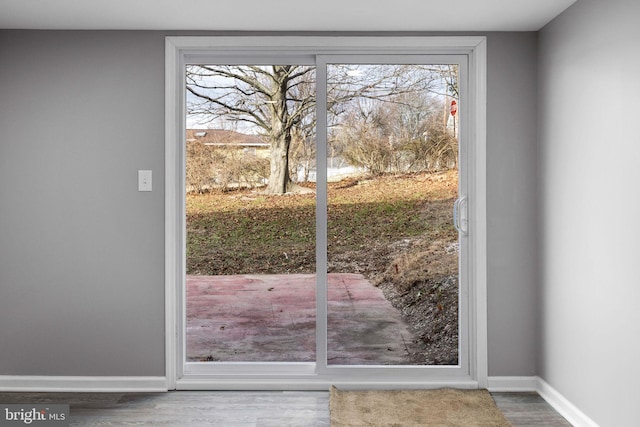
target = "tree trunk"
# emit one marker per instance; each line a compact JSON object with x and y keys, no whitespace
{"x":279,"y":179}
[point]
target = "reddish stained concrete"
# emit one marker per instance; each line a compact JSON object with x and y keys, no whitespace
{"x":271,"y":318}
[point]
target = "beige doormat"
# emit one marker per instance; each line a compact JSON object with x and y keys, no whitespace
{"x":443,"y":407}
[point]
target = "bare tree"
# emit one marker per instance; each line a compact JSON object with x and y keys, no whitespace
{"x":263,"y":97}
{"x":279,"y":100}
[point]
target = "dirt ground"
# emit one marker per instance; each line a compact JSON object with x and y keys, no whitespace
{"x":422,"y":284}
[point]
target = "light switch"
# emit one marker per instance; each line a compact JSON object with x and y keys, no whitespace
{"x":144,"y":180}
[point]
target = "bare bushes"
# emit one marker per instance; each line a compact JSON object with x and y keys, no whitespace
{"x":372,"y":154}
{"x":437,"y":151}
{"x":238,"y":171}
{"x":213,"y":168}
{"x":199,"y":171}
{"x":397,"y":138}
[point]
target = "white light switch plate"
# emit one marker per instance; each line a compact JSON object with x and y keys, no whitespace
{"x":144,"y":180}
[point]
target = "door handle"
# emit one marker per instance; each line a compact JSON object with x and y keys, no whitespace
{"x":460,"y":218}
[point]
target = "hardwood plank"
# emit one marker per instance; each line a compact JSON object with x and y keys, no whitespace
{"x":528,"y":410}
{"x":236,"y":408}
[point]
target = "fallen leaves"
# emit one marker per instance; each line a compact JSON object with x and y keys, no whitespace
{"x":243,"y":232}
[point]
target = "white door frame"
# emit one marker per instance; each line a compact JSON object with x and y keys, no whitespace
{"x":178,"y":49}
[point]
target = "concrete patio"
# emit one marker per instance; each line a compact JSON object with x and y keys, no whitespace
{"x":271,"y":318}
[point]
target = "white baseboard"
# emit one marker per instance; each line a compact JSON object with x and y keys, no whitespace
{"x":565,"y":408}
{"x":513,"y":384}
{"x":35,"y":383}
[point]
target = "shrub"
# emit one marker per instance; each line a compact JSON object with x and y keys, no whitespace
{"x":210,"y":168}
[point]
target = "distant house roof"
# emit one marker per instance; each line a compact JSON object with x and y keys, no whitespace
{"x":225,"y":138}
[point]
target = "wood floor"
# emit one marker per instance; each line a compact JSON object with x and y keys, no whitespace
{"x":229,"y":409}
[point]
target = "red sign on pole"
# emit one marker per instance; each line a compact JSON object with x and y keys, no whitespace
{"x":454,"y":107}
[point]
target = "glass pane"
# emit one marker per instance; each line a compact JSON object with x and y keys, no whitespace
{"x":250,"y":209}
{"x":392,"y":248}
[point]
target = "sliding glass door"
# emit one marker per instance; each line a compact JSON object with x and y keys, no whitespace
{"x":325,"y":217}
{"x":392,"y":180}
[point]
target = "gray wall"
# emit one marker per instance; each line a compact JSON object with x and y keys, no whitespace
{"x":511,"y":204}
{"x":589,"y":174}
{"x":81,"y":251}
